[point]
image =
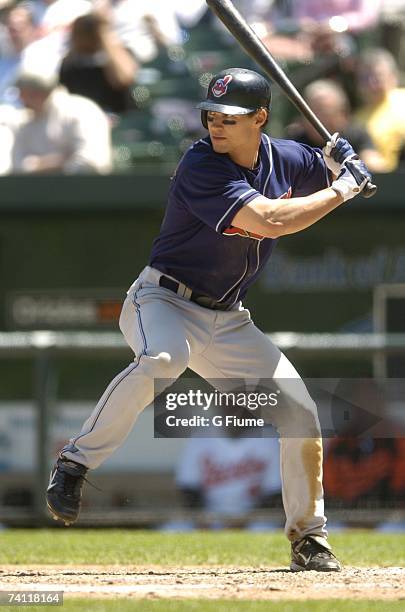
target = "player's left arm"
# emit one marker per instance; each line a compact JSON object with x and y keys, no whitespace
{"x":275,"y":218}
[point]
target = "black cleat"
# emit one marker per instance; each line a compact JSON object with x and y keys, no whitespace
{"x":64,"y":493}
{"x":310,"y":553}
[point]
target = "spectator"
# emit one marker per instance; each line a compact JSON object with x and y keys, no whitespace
{"x":230,"y":475}
{"x":337,"y":15}
{"x":330,"y":103}
{"x":97,"y":66}
{"x":383,"y":108}
{"x":189,"y":12}
{"x":144,"y":29}
{"x":393,"y":29}
{"x":21,"y":32}
{"x":256,"y":12}
{"x":57,"y":15}
{"x":60,"y":132}
{"x":366,"y":470}
{"x":9,"y":120}
{"x":53,"y":19}
{"x":361,"y":470}
{"x":306,"y":28}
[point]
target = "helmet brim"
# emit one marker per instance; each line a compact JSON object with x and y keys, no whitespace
{"x":216,"y":107}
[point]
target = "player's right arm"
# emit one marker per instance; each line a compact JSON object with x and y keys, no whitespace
{"x":275,"y":218}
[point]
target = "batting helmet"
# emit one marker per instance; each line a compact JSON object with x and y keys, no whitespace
{"x":236,"y":91}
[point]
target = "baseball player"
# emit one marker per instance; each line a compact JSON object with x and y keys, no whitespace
{"x":231,"y":474}
{"x":233,"y":195}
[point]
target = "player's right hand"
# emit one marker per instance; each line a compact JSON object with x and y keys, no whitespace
{"x":352,"y":179}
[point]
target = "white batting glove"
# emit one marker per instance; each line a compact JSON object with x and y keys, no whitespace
{"x":337,"y":151}
{"x":331,"y":164}
{"x":352,"y":179}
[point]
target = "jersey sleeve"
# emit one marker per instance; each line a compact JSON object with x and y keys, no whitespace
{"x":214,"y":193}
{"x":312,"y":173}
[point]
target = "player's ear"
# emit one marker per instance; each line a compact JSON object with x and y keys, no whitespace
{"x":262,"y":117}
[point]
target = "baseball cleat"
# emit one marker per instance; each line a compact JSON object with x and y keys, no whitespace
{"x":313,"y":553}
{"x":64,"y":493}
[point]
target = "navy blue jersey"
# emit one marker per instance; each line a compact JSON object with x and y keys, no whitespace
{"x":198,"y":244}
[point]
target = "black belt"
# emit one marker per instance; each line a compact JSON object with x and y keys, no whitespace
{"x":198,"y":298}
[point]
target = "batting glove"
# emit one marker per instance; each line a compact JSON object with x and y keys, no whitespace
{"x":336,"y":151}
{"x":353,"y":176}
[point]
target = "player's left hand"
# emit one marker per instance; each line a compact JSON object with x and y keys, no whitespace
{"x":337,"y":151}
{"x":352,"y":179}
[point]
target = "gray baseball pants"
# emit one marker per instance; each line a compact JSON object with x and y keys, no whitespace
{"x":169,"y":333}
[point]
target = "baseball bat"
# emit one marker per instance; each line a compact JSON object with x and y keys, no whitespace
{"x":248,"y":39}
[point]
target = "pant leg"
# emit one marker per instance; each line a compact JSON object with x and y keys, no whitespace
{"x":240,"y":350}
{"x":156,"y":331}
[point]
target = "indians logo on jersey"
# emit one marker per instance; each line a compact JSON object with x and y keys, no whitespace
{"x":220,"y":86}
{"x":237,"y":231}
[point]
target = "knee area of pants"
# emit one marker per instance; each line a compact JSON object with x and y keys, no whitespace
{"x":298,"y":420}
{"x":168,"y":365}
{"x":309,"y":420}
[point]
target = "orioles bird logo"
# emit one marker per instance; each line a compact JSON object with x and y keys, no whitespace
{"x":237,"y":231}
{"x":220,"y":86}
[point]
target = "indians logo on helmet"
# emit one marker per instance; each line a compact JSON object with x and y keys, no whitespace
{"x":220,"y":87}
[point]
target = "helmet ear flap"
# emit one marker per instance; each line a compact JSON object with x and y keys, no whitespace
{"x":204,"y":115}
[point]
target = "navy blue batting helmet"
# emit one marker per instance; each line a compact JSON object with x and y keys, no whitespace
{"x":236,"y":91}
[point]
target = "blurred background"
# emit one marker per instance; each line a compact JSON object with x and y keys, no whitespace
{"x":97,"y":105}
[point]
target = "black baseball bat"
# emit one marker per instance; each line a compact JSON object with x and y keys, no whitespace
{"x":248,"y":39}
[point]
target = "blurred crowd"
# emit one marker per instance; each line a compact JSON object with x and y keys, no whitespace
{"x":233,"y":475}
{"x":106,"y":85}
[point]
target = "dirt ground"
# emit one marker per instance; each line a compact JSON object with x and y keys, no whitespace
{"x":206,"y":582}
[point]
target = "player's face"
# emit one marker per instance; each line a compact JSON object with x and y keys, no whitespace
{"x":233,"y":133}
